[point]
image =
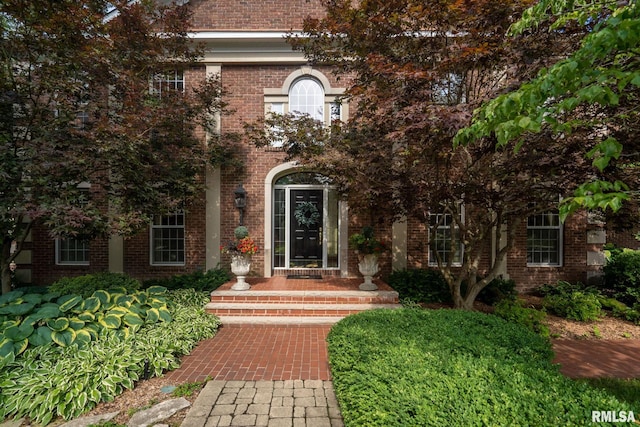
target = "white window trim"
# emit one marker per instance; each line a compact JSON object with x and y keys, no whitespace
{"x":153,"y":227}
{"x":560,"y":228}
{"x":59,"y":261}
{"x":433,"y":262}
{"x":280,"y":96}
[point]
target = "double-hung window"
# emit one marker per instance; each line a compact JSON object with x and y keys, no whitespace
{"x":168,"y":239}
{"x":544,"y":240}
{"x":164,"y":82}
{"x":444,"y":235}
{"x":72,"y":251}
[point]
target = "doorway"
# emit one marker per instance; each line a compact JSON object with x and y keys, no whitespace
{"x":305,"y":222}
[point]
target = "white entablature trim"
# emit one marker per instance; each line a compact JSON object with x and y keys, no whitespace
{"x":240,"y":35}
{"x":247,"y":47}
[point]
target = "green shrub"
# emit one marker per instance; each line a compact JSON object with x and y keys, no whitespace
{"x":512,"y":310}
{"x":198,"y":280}
{"x":48,"y":381}
{"x":575,"y":306}
{"x":428,"y":286}
{"x":455,"y":368}
{"x":86,"y":285}
{"x":241,"y":232}
{"x":420,"y":285}
{"x":562,"y":287}
{"x":497,"y":290}
{"x":622,"y":276}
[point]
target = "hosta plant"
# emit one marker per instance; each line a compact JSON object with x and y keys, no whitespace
{"x":31,"y":320}
{"x":50,"y":381}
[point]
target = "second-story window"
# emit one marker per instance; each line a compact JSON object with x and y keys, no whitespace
{"x":165,"y":82}
{"x":307,"y":97}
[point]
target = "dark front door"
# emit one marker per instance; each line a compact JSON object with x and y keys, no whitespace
{"x":306,"y":228}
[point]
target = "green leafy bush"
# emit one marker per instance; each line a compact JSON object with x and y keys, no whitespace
{"x":420,"y":285}
{"x":562,"y":287}
{"x":50,"y":381}
{"x":577,"y":305}
{"x":497,"y":290}
{"x":622,"y":276}
{"x":198,"y":280}
{"x":621,"y":310}
{"x":428,"y":286}
{"x":86,"y":285}
{"x":32,"y":320}
{"x":513,"y":310}
{"x":452,"y":367}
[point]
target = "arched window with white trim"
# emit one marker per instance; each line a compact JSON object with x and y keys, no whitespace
{"x":306,"y":91}
{"x":307,"y":97}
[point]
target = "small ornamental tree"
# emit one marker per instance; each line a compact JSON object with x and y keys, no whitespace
{"x":91,"y":96}
{"x":416,"y":71}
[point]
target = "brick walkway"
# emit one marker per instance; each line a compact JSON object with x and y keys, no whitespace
{"x":259,"y":352}
{"x":285,"y":352}
{"x":596,"y":358}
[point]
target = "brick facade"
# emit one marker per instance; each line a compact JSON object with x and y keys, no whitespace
{"x":246,"y":84}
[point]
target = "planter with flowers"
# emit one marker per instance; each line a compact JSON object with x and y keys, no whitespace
{"x":241,"y":249}
{"x":368,"y":249}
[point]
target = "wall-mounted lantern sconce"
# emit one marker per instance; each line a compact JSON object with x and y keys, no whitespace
{"x":240,"y":200}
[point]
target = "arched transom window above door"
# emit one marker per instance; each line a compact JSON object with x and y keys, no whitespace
{"x":306,"y":91}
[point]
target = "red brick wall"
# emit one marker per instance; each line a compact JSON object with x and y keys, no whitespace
{"x":246,"y":85}
{"x":137,"y":260}
{"x":574,"y":263}
{"x":43,"y":266}
{"x":252,"y":15}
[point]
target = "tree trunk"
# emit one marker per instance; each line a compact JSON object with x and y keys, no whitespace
{"x":6,"y":277}
{"x":5,"y":260}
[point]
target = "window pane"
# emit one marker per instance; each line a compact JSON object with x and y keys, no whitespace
{"x":277,"y":108}
{"x":544,"y":235}
{"x":279,"y":232}
{"x":172,"y":81}
{"x":167,"y":239}
{"x":307,"y":97}
{"x":72,"y":251}
{"x":443,"y":239}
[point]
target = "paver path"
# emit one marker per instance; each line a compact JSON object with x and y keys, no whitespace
{"x":598,"y":358}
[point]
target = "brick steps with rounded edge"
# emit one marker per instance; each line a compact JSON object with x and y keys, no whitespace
{"x":295,"y":307}
{"x":319,"y":297}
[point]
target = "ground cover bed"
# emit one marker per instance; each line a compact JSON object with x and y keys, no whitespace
{"x":449,"y":367}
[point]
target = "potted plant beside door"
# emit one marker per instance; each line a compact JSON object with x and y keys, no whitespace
{"x":368,"y":249}
{"x":241,"y":249}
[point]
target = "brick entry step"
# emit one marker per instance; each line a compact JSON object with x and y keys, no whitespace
{"x":278,"y":300}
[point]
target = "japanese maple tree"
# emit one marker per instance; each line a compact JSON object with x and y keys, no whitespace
{"x":93,"y":139}
{"x":416,"y":71}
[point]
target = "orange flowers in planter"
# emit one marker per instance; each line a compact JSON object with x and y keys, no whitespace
{"x":242,"y":245}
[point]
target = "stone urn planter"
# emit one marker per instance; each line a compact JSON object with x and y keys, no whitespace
{"x":368,"y":267}
{"x":240,"y":266}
